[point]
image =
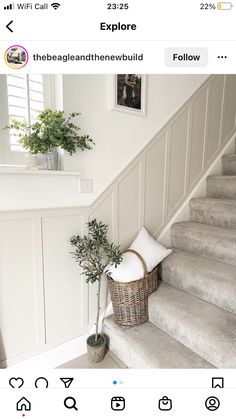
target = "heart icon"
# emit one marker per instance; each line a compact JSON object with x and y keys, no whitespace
{"x":16,"y":382}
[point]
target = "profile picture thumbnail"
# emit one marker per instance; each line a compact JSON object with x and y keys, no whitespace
{"x":16,"y":56}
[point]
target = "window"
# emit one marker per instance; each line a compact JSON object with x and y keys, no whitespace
{"x":25,"y":95}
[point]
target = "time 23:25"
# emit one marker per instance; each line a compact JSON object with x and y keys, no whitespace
{"x":117,"y":6}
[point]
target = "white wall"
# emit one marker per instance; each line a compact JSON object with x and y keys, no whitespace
{"x":120,"y":136}
{"x":30,"y":191}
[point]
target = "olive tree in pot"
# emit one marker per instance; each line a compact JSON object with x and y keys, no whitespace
{"x":94,"y":253}
{"x":51,"y":130}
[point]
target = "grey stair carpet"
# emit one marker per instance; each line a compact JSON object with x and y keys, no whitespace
{"x":205,"y":240}
{"x":229,"y":164}
{"x":209,"y":280}
{"x":213,"y":211}
{"x":147,"y":346}
{"x":202,"y":327}
{"x":192,"y":316}
{"x":222,"y":187}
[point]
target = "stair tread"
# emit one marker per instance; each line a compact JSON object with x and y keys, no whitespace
{"x":206,"y":240}
{"x":202,"y":327}
{"x":147,"y":346}
{"x":201,"y":277}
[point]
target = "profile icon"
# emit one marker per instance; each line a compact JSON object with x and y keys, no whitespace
{"x":212,"y":403}
{"x":16,"y":57}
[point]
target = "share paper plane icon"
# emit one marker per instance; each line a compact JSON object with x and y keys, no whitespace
{"x":67,"y":381}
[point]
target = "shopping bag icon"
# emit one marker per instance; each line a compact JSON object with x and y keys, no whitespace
{"x":165,"y":403}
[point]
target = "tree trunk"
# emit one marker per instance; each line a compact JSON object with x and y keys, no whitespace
{"x":98,"y":309}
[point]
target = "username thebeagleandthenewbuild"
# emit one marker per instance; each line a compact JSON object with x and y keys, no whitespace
{"x":88,"y":57}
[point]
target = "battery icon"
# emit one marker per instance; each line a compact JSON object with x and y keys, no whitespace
{"x":225,"y":5}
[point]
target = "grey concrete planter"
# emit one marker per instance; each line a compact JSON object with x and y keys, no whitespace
{"x":96,"y":351}
{"x":49,"y":161}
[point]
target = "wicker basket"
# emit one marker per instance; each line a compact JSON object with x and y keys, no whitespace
{"x":130,"y":299}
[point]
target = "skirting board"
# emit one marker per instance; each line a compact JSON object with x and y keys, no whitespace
{"x":199,"y":191}
{"x":55,"y":357}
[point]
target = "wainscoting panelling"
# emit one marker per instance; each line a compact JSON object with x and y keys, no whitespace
{"x":63,"y":285}
{"x":18,"y":296}
{"x":104,"y":211}
{"x":154,"y":183}
{"x":178,"y":161}
{"x":214,"y":115}
{"x":129,"y":194}
{"x":197,"y":136}
{"x":44,"y":301}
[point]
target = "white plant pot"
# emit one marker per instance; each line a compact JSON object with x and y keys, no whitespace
{"x":31,"y":160}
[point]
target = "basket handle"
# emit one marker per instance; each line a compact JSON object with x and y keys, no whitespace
{"x":141,"y":260}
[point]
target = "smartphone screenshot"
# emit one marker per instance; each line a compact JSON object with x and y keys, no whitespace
{"x":117,"y":209}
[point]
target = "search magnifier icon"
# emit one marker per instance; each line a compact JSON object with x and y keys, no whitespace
{"x":70,"y":403}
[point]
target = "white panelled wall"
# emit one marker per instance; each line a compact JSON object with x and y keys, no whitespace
{"x":43,"y":300}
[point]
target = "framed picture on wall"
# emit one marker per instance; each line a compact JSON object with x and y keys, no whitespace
{"x":129,"y":93}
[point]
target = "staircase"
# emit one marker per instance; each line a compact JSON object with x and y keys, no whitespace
{"x":192,"y":316}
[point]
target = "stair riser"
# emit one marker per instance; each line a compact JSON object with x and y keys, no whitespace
{"x":222,"y":218}
{"x":222,"y":188}
{"x":123,"y":352}
{"x":229,"y":167}
{"x":204,"y":244}
{"x":203,"y":279}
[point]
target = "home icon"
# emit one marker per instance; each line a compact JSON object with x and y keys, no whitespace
{"x":23,"y":404}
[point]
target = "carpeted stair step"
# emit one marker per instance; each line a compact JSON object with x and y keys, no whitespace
{"x":205,"y":240}
{"x":222,"y":187}
{"x":204,"y":328}
{"x":147,"y":346}
{"x":213,"y":211}
{"x":205,"y":278}
{"x":229,"y":164}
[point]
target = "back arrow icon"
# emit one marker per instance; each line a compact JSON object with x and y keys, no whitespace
{"x":8,"y":26}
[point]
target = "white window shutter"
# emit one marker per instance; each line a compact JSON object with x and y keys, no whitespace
{"x":25,"y":101}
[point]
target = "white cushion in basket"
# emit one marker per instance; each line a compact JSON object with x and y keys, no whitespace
{"x":131,"y":269}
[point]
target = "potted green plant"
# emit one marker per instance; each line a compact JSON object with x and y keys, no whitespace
{"x":93,"y":253}
{"x":51,"y":130}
